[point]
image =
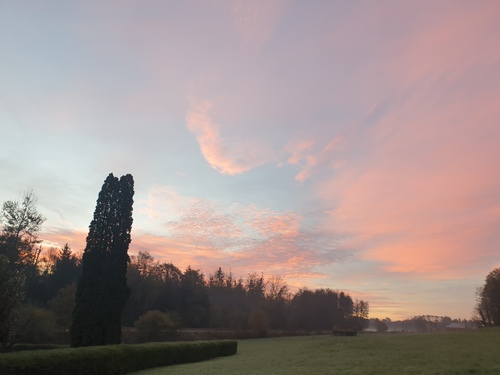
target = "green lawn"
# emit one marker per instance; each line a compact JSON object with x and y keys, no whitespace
{"x":475,"y":352}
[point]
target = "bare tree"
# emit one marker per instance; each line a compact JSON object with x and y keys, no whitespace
{"x":19,"y":252}
{"x":488,"y":300}
{"x":21,"y":224}
{"x":277,"y":289}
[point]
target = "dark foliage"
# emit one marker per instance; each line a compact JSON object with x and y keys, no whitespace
{"x":102,"y":289}
{"x":31,"y":347}
{"x":421,"y":323}
{"x":321,"y":310}
{"x":194,"y":299}
{"x":65,"y":271}
{"x":11,"y":286}
{"x":21,"y":225}
{"x":488,"y":300}
{"x":47,"y":282}
{"x":380,"y":325}
{"x":256,"y":305}
{"x":112,"y":359}
{"x":19,"y":253}
{"x":158,"y":326}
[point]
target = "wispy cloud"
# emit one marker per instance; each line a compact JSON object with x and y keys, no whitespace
{"x":304,"y":153}
{"x":245,"y":238}
{"x":425,"y":193}
{"x":58,"y":237}
{"x":419,"y":184}
{"x":226,"y":155}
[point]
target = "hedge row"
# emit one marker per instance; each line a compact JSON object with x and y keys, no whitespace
{"x":112,"y":359}
{"x":23,"y":347}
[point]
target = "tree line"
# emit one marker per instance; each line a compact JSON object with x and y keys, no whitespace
{"x":223,"y":301}
{"x":94,"y":295}
{"x":420,"y":323}
{"x":42,"y":290}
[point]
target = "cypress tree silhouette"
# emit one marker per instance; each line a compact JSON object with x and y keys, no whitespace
{"x":102,"y":288}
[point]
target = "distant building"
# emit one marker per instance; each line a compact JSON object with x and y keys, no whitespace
{"x":455,"y":327}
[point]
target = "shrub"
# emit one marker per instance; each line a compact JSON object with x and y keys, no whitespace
{"x":156,"y":325}
{"x":381,"y":325}
{"x":35,"y":324}
{"x":62,"y":305}
{"x":258,"y":322}
{"x":111,"y":359}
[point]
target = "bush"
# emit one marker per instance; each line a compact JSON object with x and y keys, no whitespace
{"x":111,"y":359}
{"x":258,"y":322}
{"x":36,"y":324}
{"x":156,"y":325}
{"x":381,"y":325}
{"x":62,"y":305}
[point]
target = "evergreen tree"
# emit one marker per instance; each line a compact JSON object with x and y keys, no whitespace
{"x":102,"y":288}
{"x":195,"y":303}
{"x":65,"y":270}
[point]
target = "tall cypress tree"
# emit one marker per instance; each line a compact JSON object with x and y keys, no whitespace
{"x":102,"y":288}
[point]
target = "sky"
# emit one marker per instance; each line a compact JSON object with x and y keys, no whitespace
{"x":351,"y":145}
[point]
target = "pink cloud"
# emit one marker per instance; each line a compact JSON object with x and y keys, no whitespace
{"x":226,"y":155}
{"x":163,"y":202}
{"x":425,"y":196}
{"x":299,"y":150}
{"x":450,"y":43}
{"x":304,"y":155}
{"x":420,"y":179}
{"x":242,"y":237}
{"x":199,"y":241}
{"x":58,"y":237}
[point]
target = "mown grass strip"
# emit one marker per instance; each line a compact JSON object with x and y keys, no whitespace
{"x":443,"y":353}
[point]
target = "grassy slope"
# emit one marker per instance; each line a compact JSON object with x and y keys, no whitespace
{"x":438,"y":353}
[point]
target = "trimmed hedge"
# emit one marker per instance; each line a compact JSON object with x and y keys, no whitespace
{"x":112,"y":359}
{"x":23,"y":347}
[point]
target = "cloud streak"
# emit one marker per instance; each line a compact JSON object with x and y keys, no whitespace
{"x":310,"y":161}
{"x":245,"y":238}
{"x":425,"y":190}
{"x":226,"y":155}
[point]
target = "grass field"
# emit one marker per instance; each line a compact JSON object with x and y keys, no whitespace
{"x":472,"y":352}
